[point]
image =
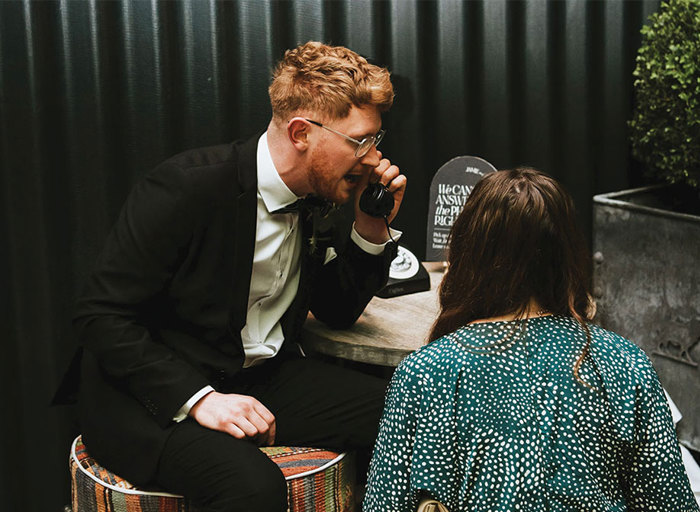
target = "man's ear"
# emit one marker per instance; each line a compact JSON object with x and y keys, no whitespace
{"x":297,"y":132}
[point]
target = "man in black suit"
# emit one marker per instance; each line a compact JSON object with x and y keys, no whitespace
{"x":191,"y":320}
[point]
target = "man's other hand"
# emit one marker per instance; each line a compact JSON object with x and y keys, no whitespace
{"x":241,"y":416}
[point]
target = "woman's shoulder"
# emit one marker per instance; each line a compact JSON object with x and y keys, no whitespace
{"x":619,"y":360}
{"x":434,"y":351}
{"x":609,"y":344}
{"x":429,"y":371}
{"x":440,"y":356}
{"x":604,"y":343}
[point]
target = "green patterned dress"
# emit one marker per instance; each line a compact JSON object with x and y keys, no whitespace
{"x":490,"y":418}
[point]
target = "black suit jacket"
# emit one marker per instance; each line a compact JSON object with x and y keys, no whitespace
{"x":161,"y":314}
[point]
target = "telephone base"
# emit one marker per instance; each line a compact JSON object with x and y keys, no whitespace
{"x":420,"y":282}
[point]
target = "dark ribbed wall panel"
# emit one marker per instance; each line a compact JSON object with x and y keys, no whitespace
{"x":94,"y":93}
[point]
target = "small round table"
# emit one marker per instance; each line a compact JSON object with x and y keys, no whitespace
{"x":386,"y":332}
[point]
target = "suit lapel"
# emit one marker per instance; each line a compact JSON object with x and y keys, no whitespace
{"x":244,"y":231}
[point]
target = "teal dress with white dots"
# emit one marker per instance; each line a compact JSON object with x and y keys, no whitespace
{"x":490,"y":418}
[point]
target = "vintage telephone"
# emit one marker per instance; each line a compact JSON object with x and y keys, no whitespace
{"x":406,"y":274}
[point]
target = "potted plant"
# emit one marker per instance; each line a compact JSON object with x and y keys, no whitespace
{"x":647,"y":240}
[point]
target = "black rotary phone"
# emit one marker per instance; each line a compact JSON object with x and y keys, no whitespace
{"x":406,"y":274}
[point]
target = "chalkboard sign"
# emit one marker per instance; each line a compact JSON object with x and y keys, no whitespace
{"x":449,"y":190}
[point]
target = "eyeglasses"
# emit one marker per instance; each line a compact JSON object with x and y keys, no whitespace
{"x":363,"y":146}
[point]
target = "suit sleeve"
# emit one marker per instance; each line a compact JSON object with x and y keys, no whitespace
{"x":343,"y":287}
{"x":140,"y":257}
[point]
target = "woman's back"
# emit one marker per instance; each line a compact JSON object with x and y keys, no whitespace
{"x":491,"y":418}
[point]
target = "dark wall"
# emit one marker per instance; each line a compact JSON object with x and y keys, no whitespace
{"x":93,"y":94}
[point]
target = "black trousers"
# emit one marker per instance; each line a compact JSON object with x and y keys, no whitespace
{"x":314,"y":403}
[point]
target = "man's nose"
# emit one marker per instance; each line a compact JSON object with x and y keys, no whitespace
{"x":372,"y":158}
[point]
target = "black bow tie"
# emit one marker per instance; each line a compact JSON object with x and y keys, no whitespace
{"x":306,"y":204}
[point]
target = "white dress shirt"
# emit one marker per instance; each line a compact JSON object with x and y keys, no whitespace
{"x":276,"y":263}
{"x":274,"y":279}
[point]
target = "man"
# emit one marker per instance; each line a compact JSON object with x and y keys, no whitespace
{"x":190,"y":321}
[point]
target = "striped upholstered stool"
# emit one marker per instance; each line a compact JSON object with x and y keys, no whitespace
{"x":317,"y":481}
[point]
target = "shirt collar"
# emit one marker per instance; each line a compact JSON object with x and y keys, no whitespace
{"x":275,"y":194}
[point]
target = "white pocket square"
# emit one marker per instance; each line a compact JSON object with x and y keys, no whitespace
{"x":330,"y":255}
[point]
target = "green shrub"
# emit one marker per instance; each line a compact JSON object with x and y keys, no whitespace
{"x":665,"y":128}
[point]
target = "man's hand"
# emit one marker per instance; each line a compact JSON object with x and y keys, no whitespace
{"x":373,"y":229}
{"x":241,"y":416}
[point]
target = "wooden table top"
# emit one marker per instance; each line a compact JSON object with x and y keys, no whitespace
{"x":386,"y":332}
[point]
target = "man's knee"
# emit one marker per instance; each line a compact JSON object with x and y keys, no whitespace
{"x":262,"y":489}
{"x":220,"y":473}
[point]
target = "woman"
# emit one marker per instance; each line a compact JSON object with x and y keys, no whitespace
{"x":519,"y":404}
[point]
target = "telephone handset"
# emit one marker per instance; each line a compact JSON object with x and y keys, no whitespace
{"x":376,"y":200}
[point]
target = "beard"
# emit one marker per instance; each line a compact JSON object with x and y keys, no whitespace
{"x":328,"y":182}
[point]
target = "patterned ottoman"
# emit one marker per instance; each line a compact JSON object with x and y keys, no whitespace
{"x":317,"y":481}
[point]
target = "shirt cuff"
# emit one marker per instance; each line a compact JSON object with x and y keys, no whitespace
{"x":369,"y":247}
{"x":185,"y":409}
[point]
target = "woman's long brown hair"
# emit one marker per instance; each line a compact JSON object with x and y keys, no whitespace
{"x":515,"y":240}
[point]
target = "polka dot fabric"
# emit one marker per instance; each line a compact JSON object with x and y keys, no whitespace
{"x":490,"y":418}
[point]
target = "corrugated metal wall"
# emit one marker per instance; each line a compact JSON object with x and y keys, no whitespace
{"x":94,"y":93}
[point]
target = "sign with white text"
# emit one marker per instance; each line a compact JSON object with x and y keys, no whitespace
{"x":449,"y":190}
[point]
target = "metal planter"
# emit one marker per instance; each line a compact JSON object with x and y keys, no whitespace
{"x":647,"y":289}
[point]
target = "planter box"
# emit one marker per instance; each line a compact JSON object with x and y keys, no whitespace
{"x":647,"y":289}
